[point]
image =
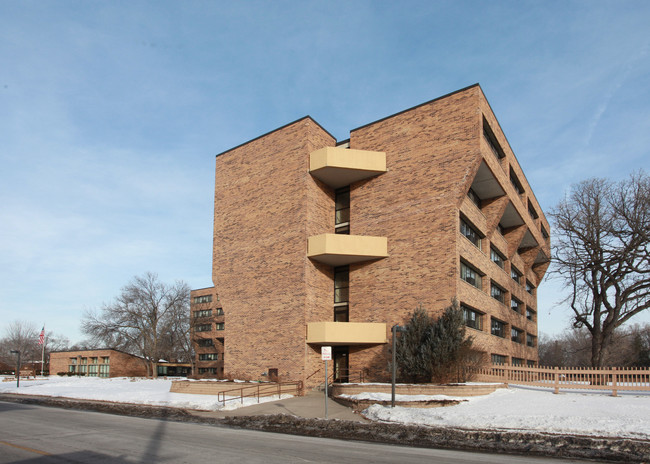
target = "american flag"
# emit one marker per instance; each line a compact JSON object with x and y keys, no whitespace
{"x":41,"y":337}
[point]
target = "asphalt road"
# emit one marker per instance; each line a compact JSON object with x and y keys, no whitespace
{"x":43,"y":435}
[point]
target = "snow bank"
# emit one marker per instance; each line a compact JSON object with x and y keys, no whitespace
{"x":520,"y":409}
{"x":125,"y":390}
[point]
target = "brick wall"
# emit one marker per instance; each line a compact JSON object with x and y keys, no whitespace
{"x":120,"y":364}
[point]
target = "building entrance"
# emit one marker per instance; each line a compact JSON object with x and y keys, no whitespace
{"x":341,"y":366}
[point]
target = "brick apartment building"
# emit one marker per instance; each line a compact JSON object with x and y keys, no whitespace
{"x":319,"y":242}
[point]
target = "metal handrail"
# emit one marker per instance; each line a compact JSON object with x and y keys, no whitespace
{"x":259,"y":390}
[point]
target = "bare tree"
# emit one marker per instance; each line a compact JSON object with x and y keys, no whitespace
{"x":602,"y":254}
{"x":147,"y":319}
{"x":21,"y":336}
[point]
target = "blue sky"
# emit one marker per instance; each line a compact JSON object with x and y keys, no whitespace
{"x":111,"y":114}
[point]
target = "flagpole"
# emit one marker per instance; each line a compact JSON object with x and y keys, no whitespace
{"x":43,"y":356}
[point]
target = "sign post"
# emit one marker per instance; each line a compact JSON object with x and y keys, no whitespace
{"x":326,"y":355}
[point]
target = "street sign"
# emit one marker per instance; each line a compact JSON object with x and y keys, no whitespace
{"x":326,"y":353}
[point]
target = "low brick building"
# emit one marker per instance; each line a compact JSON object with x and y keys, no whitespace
{"x":319,"y":242}
{"x":97,"y":363}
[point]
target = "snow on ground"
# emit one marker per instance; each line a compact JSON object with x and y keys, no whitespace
{"x":125,"y":390}
{"x":531,"y":409}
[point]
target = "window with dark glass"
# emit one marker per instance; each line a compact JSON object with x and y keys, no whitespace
{"x":470,"y":275}
{"x":531,"y":210}
{"x":472,"y":318}
{"x":498,"y":328}
{"x":208,"y":357}
{"x":342,"y":217}
{"x":341,"y":284}
{"x":515,"y":274}
{"x":530,"y":363}
{"x":530,"y":340}
{"x":497,"y":257}
{"x":498,"y":359}
{"x":203,"y":313}
{"x":516,"y":335}
{"x":497,"y":293}
{"x":515,"y":182}
{"x":341,"y":313}
{"x":220,"y":326}
{"x":544,"y":232}
{"x":203,"y":328}
{"x":470,"y":232}
{"x":516,"y":305}
{"x":474,"y":197}
{"x":530,"y":314}
{"x":203,"y":299}
{"x":205,"y":342}
{"x":517,"y":362}
{"x":529,"y":287}
{"x":492,"y":140}
{"x":219,"y":311}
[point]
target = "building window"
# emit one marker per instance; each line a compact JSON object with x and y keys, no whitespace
{"x":544,"y":232}
{"x":220,"y":326}
{"x":219,"y":311}
{"x":515,"y":182}
{"x":530,"y":314}
{"x":73,"y":360}
{"x":84,"y":360}
{"x":342,"y":217}
{"x":530,"y":340}
{"x":205,"y":342}
{"x":516,"y":305}
{"x":203,"y":299}
{"x":515,"y":274}
{"x":532,"y":212}
{"x":341,"y":313}
{"x":470,"y":233}
{"x":470,"y":275}
{"x":341,"y":284}
{"x":105,"y":359}
{"x":104,"y":370}
{"x":208,"y":356}
{"x":472,"y":318}
{"x":492,"y":140}
{"x":203,"y":328}
{"x":498,"y":328}
{"x":474,"y":197}
{"x":529,"y":287}
{"x":498,"y":359}
{"x":517,"y":362}
{"x":497,"y":258}
{"x":93,"y":360}
{"x":92,"y":370}
{"x":498,"y":293}
{"x":72,"y":368}
{"x":207,"y":370}
{"x":203,"y":313}
{"x":516,"y":335}
{"x":530,"y":363}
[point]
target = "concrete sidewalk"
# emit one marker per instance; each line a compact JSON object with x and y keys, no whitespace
{"x":310,"y":406}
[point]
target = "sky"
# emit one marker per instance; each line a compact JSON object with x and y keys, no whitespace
{"x":111,"y":114}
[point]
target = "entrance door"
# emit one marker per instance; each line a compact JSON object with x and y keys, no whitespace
{"x":341,"y":365}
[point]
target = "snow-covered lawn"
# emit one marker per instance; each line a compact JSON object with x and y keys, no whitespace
{"x":125,"y":390}
{"x":530,"y":409}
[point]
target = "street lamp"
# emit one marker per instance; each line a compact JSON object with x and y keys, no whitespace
{"x":396,"y":328}
{"x":17,"y":367}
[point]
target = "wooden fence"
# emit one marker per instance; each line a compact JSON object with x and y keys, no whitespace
{"x":583,"y":378}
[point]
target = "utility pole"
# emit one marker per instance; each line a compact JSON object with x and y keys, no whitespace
{"x":17,"y":367}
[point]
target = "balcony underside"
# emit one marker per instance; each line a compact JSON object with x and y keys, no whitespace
{"x":340,"y":250}
{"x":338,"y":167}
{"x":346,"y":333}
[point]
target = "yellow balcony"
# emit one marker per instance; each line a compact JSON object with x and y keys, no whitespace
{"x":338,"y":167}
{"x":340,"y":249}
{"x":346,"y":333}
